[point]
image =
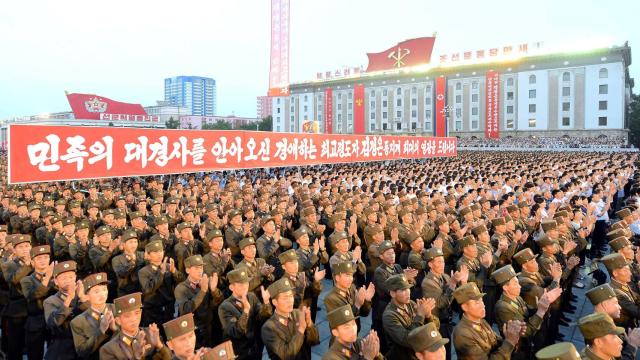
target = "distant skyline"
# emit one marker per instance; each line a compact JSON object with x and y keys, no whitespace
{"x":125,"y":50}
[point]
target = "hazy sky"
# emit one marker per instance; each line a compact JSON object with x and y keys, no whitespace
{"x":125,"y":49}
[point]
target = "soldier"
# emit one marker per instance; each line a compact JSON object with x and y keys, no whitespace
{"x":127,"y":264}
{"x":304,"y":289}
{"x":60,"y":308}
{"x":158,"y":280}
{"x":240,"y":314}
{"x":36,"y":287}
{"x":268,"y":245}
{"x":604,"y":300}
{"x":347,"y":344}
{"x":163,"y":234}
{"x":141,"y":228}
{"x":602,"y":338}
{"x":96,"y":325}
{"x":473,"y":337}
{"x":234,"y":234}
{"x":310,"y":259}
{"x":450,"y":248}
{"x":626,"y":291}
{"x":63,"y":239}
{"x":199,"y":295}
{"x":342,"y":253}
{"x":181,"y":338}
{"x":103,"y":251}
{"x":80,"y":247}
{"x":14,"y":269}
{"x":131,"y":341}
{"x":427,"y":343}
{"x":258,"y":271}
{"x":288,"y":334}
{"x":217,"y":260}
{"x":479,"y":270}
{"x":512,"y":307}
{"x":186,"y":245}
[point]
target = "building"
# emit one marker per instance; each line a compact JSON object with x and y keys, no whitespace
{"x":196,"y":122}
{"x":197,"y":94}
{"x":263,"y":106}
{"x":582,"y":92}
{"x":165,"y":111}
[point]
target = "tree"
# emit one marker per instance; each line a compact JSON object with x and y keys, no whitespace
{"x":218,"y":125}
{"x":172,"y":124}
{"x":634,"y":120}
{"x":266,"y":124}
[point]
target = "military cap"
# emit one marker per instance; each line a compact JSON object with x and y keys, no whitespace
{"x":223,"y":351}
{"x":22,"y":203}
{"x":545,"y":240}
{"x":475,"y":207}
{"x":503,"y":274}
{"x":340,"y":316}
{"x":466,"y":241}
{"x":368,"y":211}
{"x":522,"y":205}
{"x":84,"y":224}
{"x":193,"y":260}
{"x":127,"y":303}
{"x":3,"y":228}
{"x":559,"y":351}
{"x":19,"y":239}
{"x":40,"y":250}
{"x":215,"y":233}
{"x":426,"y":338}
{"x":433,"y":253}
{"x":597,"y":325}
{"x":548,"y":225}
{"x":94,"y":280}
{"x":498,"y":221}
{"x":372,"y":230}
{"x":338,"y":217}
{"x":265,"y":220}
{"x":397,"y":282}
{"x":404,"y":212}
{"x":440,"y":221}
{"x":619,"y":243}
{"x":129,"y":234}
{"x":411,"y":237}
{"x":107,"y":186}
{"x":343,"y":267}
{"x":524,"y":256}
{"x":621,"y":214}
{"x":618,"y":225}
{"x":68,"y":221}
{"x":512,"y":208}
{"x":55,"y":219}
{"x":34,"y":207}
{"x":246,"y":242}
{"x":466,"y":292}
{"x":615,"y":234}
{"x":339,"y":235}
{"x":183,"y":226}
{"x":119,"y":214}
{"x":75,"y":204}
{"x":135,"y":215}
{"x":160,"y":220}
{"x":308,"y":211}
{"x":289,"y":255}
{"x":109,"y":212}
{"x":63,"y":267}
{"x":276,"y":212}
{"x":179,"y":326}
{"x":121,"y":198}
{"x":450,"y":198}
{"x":437,"y":202}
{"x":600,"y":293}
{"x":384,"y":246}
{"x":279,"y":287}
{"x":103,"y":230}
{"x":300,"y":232}
{"x":233,"y":213}
{"x":153,"y":202}
{"x":465,"y":210}
{"x":239,"y":275}
{"x":480,"y":229}
{"x":187,"y":210}
{"x":614,"y":261}
{"x":154,"y":245}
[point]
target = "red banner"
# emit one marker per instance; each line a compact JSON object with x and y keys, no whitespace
{"x":441,"y":95}
{"x":279,"y":60}
{"x":90,"y":106}
{"x":328,"y":111}
{"x":407,"y":53}
{"x":492,"y":128}
{"x":53,"y":153}
{"x":358,"y":109}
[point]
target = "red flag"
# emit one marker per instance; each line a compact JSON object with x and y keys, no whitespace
{"x":441,"y":94}
{"x":90,"y":106}
{"x":492,"y":124}
{"x":407,"y":53}
{"x":358,"y":110}
{"x":328,"y":111}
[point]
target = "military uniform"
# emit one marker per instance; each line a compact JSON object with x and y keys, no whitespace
{"x":126,"y":269}
{"x":232,"y":238}
{"x":628,"y":294}
{"x":382,"y":297}
{"x":598,"y":325}
{"x":338,"y":350}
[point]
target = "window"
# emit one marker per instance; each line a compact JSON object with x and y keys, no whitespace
{"x":305,"y":108}
{"x":474,"y":85}
{"x":373,"y":104}
{"x":427,"y":125}
{"x":398,"y":126}
{"x":532,"y":108}
{"x":566,"y":121}
{"x":278,"y":128}
{"x":510,"y":109}
{"x":474,"y":111}
{"x":414,"y":126}
{"x":474,"y":124}
{"x":459,"y":86}
{"x":414,"y":102}
{"x":350,"y":95}
{"x":427,"y":114}
{"x":339,"y":96}
{"x":532,"y":123}
{"x":278,"y":101}
{"x":399,"y":91}
{"x":349,"y":117}
{"x":384,"y":103}
{"x":532,"y":79}
{"x":384,"y":114}
{"x":604,"y":73}
{"x":603,"y":89}
{"x":602,"y":121}
{"x":510,"y":95}
{"x":306,"y":117}
{"x":566,"y":106}
{"x":458,"y":112}
{"x":292,"y":118}
{"x":372,"y":93}
{"x":474,"y":98}
{"x":414,"y":113}
{"x":510,"y":82}
{"x":398,"y":114}
{"x":458,"y":125}
{"x":566,"y":76}
{"x":602,"y":105}
{"x":339,"y":117}
{"x":373,"y":127}
{"x":458,"y":99}
{"x":305,"y":98}
{"x":566,"y":91}
{"x":509,"y":123}
{"x":384,"y":93}
{"x":414,"y":90}
{"x":398,"y":102}
{"x":427,"y":101}
{"x":278,"y":110}
{"x":373,"y":116}
{"x":349,"y":106}
{"x":384,"y":126}
{"x":339,"y":106}
{"x":532,"y":94}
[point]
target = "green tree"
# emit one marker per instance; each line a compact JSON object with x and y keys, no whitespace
{"x":266,"y":124}
{"x":634,"y":120}
{"x":172,"y":124}
{"x":218,"y":125}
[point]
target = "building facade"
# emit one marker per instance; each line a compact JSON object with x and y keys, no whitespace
{"x":197,"y":94}
{"x":196,"y":122}
{"x":165,"y":111}
{"x":577,"y":94}
{"x":263,"y":107}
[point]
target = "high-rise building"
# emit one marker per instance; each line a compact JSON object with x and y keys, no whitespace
{"x":263,"y":106}
{"x":196,"y":93}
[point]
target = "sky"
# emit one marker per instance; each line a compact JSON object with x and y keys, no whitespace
{"x":124,"y":49}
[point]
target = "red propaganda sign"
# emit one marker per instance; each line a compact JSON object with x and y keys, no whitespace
{"x":279,"y":63}
{"x":358,"y":109}
{"x":492,"y":128}
{"x":407,"y":53}
{"x":53,"y":153}
{"x":89,"y":106}
{"x":328,"y":111}
{"x":441,"y":95}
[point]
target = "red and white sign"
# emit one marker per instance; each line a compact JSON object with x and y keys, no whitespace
{"x":492,"y":53}
{"x":405,"y":54}
{"x":358,"y":109}
{"x":441,"y":95}
{"x":279,"y":63}
{"x":492,"y":128}
{"x":126,"y":117}
{"x":90,"y":106}
{"x":328,"y":111}
{"x":53,"y":153}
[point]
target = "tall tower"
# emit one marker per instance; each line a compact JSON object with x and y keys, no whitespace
{"x":279,"y":64}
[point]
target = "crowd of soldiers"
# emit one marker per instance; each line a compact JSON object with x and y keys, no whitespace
{"x":477,"y":254}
